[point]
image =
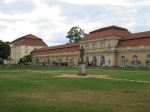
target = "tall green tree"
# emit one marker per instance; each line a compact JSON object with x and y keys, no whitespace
{"x":27,"y":58}
{"x":4,"y":50}
{"x":1,"y":61}
{"x":75,"y":34}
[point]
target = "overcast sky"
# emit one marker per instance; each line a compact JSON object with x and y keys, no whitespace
{"x":52,"y":19}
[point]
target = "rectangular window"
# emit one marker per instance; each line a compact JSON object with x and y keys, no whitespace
{"x":109,"y":47}
{"x":102,"y":44}
{"x":86,"y":46}
{"x":94,"y":45}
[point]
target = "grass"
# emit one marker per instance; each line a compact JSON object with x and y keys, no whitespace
{"x":36,"y":90}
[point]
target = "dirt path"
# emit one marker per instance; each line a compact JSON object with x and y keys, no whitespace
{"x":99,"y":76}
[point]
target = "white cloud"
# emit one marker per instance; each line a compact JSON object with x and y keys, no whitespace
{"x":52,"y":20}
{"x":82,"y":2}
{"x":27,"y":23}
{"x":110,"y":2}
{"x":9,"y":1}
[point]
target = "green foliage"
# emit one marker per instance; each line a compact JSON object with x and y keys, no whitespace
{"x":37,"y":60}
{"x":139,"y":62}
{"x":75,"y":34}
{"x":25,"y":59}
{"x":54,"y":62}
{"x":4,"y":50}
{"x":21,"y":61}
{"x":95,"y":59}
{"x":146,"y":61}
{"x":48,"y":60}
{"x":1,"y":61}
{"x":9,"y":59}
{"x":132,"y":62}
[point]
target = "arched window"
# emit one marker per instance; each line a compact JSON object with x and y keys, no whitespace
{"x":87,"y":59}
{"x":66,"y":59}
{"x":135,"y":61}
{"x":102,"y":60}
{"x":123,"y":61}
{"x":94,"y":60}
{"x":73,"y":61}
{"x":148,"y":60}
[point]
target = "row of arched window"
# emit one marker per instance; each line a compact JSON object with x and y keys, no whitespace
{"x":135,"y":61}
{"x":94,"y":60}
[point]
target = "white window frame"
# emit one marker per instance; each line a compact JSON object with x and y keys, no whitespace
{"x":123,"y":62}
{"x":135,"y":61}
{"x":148,"y":59}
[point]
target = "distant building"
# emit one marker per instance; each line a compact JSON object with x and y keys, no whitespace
{"x":108,"y":46}
{"x":24,"y":45}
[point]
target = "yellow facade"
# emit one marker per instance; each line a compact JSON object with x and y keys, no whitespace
{"x":19,"y":51}
{"x":102,"y":51}
{"x":70,"y":58}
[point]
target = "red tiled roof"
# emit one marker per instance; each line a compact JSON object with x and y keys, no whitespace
{"x":107,"y":31}
{"x":134,"y":42}
{"x":57,"y":49}
{"x":109,"y":27}
{"x":29,"y":40}
{"x":137,"y":35}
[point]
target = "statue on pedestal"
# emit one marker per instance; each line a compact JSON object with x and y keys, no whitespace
{"x":82,"y":51}
{"x":81,"y":63}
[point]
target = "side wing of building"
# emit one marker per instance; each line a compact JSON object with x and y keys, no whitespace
{"x":24,"y":45}
{"x":67,"y":53}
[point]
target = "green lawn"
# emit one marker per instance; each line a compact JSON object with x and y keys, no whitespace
{"x":37,"y":90}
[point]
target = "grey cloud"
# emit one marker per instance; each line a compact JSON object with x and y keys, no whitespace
{"x":2,"y":27}
{"x":140,"y":28}
{"x":58,"y":38}
{"x":136,"y":1}
{"x":144,"y":9}
{"x":21,"y":6}
{"x":45,"y":24}
{"x":8,"y":20}
{"x":105,"y":14}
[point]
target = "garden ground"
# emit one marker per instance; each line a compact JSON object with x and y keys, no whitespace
{"x":59,"y":89}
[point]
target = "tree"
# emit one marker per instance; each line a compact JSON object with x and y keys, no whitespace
{"x":20,"y":61}
{"x":75,"y":34}
{"x":1,"y":61}
{"x":4,"y":50}
{"x":25,"y":59}
{"x":9,"y":59}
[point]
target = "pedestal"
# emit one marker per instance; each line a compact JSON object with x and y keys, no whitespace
{"x":81,"y":70}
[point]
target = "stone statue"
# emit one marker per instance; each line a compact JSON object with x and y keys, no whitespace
{"x":82,"y":54}
{"x":81,"y":63}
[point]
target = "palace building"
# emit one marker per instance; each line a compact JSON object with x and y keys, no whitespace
{"x":24,"y":45}
{"x":116,"y":46}
{"x":108,"y":46}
